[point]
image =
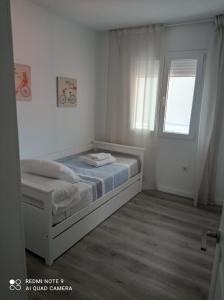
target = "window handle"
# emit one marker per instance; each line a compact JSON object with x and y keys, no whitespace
{"x":213,"y":234}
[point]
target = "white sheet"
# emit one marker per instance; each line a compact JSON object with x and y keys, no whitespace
{"x":66,"y":198}
{"x":86,"y":198}
{"x":63,"y":196}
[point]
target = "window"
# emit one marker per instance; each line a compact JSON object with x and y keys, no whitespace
{"x":181,"y":100}
{"x":180,"y":94}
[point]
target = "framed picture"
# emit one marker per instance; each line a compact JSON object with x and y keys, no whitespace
{"x":66,"y":92}
{"x":23,"y":82}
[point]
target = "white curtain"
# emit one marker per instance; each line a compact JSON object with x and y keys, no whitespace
{"x":211,"y":117}
{"x":132,"y":91}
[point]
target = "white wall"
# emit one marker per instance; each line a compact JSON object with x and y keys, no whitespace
{"x":53,"y":46}
{"x":172,"y":154}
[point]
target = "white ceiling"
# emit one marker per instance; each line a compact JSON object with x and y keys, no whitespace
{"x":109,"y":14}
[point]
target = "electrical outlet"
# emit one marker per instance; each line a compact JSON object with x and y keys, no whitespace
{"x":185,"y":168}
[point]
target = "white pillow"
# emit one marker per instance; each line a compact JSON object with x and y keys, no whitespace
{"x":49,"y":168}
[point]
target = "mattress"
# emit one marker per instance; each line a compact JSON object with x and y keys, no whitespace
{"x":45,"y":185}
{"x":95,"y":183}
{"x":105,"y":178}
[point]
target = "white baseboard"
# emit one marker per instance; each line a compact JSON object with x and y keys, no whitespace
{"x":178,"y":192}
{"x":219,"y":201}
{"x":175,"y":191}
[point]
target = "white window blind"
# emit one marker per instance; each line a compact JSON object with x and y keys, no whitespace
{"x":183,"y":68}
{"x":180,"y":96}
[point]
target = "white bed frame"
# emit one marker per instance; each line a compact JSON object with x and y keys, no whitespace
{"x":48,"y":241}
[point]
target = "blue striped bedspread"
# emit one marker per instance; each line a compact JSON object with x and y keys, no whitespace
{"x":106,"y":178}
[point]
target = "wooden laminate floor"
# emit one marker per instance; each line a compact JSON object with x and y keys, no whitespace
{"x":149,"y":249}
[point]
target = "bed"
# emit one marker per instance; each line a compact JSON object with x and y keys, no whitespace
{"x":50,"y":231}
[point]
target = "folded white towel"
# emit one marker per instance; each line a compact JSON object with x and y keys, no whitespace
{"x":99,"y":156}
{"x":98,"y":163}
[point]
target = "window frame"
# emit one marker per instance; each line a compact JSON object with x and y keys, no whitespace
{"x":200,"y":55}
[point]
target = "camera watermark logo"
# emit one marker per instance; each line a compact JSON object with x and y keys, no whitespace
{"x":39,"y":284}
{"x":15,"y":284}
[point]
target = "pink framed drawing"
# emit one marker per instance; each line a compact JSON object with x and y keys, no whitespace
{"x":23,"y":82}
{"x":66,"y":92}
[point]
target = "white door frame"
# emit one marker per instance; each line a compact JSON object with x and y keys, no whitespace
{"x":12,"y":246}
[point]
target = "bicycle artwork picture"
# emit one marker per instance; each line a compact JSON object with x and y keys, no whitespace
{"x":23,"y":82}
{"x":66,"y":92}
